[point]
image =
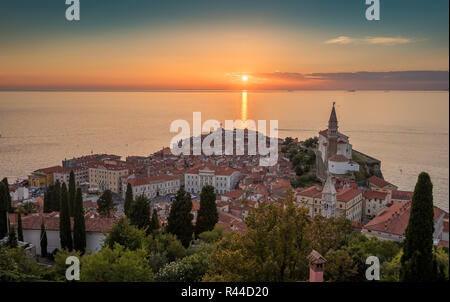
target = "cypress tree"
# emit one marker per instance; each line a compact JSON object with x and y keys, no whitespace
{"x":43,"y":239}
{"x":207,"y":215}
{"x":105,"y":204}
{"x":154,"y":224}
{"x":19,"y":227}
{"x":79,"y":228}
{"x":128,"y":199}
{"x":180,"y":217}
{"x":12,"y":239}
{"x":48,"y":199}
{"x":65,"y":233}
{"x":72,"y":193}
{"x":3,"y":211}
{"x":8,"y":196}
{"x":140,"y":212}
{"x":56,"y":197}
{"x":417,"y":262}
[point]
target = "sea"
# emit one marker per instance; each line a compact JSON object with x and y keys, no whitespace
{"x":408,"y":131}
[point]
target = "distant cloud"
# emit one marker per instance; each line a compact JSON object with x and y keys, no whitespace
{"x":280,"y":75}
{"x":388,"y":40}
{"x":340,"y":40}
{"x":370,"y":40}
{"x":364,"y":80}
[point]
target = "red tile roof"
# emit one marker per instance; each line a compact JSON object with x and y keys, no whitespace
{"x":369,"y":194}
{"x":234,"y":194}
{"x":338,"y":158}
{"x":96,"y":224}
{"x":314,"y":192}
{"x":348,"y":194}
{"x":392,"y":220}
{"x":50,"y":170}
{"x":402,"y":195}
{"x":147,"y":180}
{"x":379,"y":182}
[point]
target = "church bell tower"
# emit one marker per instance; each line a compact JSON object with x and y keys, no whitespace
{"x":329,"y":199}
{"x":332,"y":133}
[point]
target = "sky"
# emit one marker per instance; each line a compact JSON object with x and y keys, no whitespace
{"x":212,"y":44}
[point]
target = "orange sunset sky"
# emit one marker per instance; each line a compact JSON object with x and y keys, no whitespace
{"x":210,"y":45}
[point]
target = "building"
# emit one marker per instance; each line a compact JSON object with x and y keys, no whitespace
{"x":151,"y":187}
{"x":43,"y":177}
{"x":223,"y":179}
{"x":332,"y":200}
{"x":18,"y":192}
{"x":374,"y":202}
{"x":310,"y":198}
{"x":376,"y":183}
{"x":106,"y":176}
{"x":84,"y":160}
{"x":339,"y":164}
{"x":81,"y":175}
{"x":401,"y":196}
{"x":391,"y":223}
{"x":350,"y":204}
{"x":329,"y":199}
{"x":31,"y":226}
{"x":334,"y":148}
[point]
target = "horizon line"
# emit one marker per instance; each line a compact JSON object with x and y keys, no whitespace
{"x":205,"y":90}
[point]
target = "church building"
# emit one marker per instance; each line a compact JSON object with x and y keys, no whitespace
{"x":335,"y":149}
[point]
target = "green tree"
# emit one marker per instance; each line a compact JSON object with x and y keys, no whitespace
{"x":3,"y":210}
{"x":72,"y":193}
{"x":207,"y":215}
{"x":211,"y":236}
{"x":16,"y":266}
{"x":12,"y":238}
{"x":139,"y":213}
{"x":125,"y":234}
{"x":79,"y":227}
{"x":273,"y":249}
{"x":340,"y":266}
{"x":116,"y":265}
{"x":180,"y":217}
{"x":329,"y":233}
{"x":48,"y":199}
{"x":128,"y":199}
{"x":188,"y":269}
{"x":154,"y":223}
{"x":65,"y":233}
{"x":442,"y":260}
{"x":105,"y":204}
{"x":167,"y":244}
{"x":19,"y":227}
{"x":56,"y":197}
{"x":418,"y":262}
{"x":43,"y":239}
{"x":8,"y":196}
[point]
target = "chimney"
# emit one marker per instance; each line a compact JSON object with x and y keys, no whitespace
{"x":316,"y":266}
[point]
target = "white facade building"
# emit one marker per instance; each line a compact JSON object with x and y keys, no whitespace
{"x":95,"y":231}
{"x":19,"y":193}
{"x":223,"y":179}
{"x":152,"y":187}
{"x":339,"y":164}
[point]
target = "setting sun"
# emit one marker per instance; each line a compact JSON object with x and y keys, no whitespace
{"x":244,"y":78}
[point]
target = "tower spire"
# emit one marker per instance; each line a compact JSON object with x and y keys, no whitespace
{"x":333,"y":123}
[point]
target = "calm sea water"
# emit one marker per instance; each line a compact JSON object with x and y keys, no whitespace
{"x":407,"y":131}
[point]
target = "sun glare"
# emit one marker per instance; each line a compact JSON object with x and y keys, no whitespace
{"x":244,"y":78}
